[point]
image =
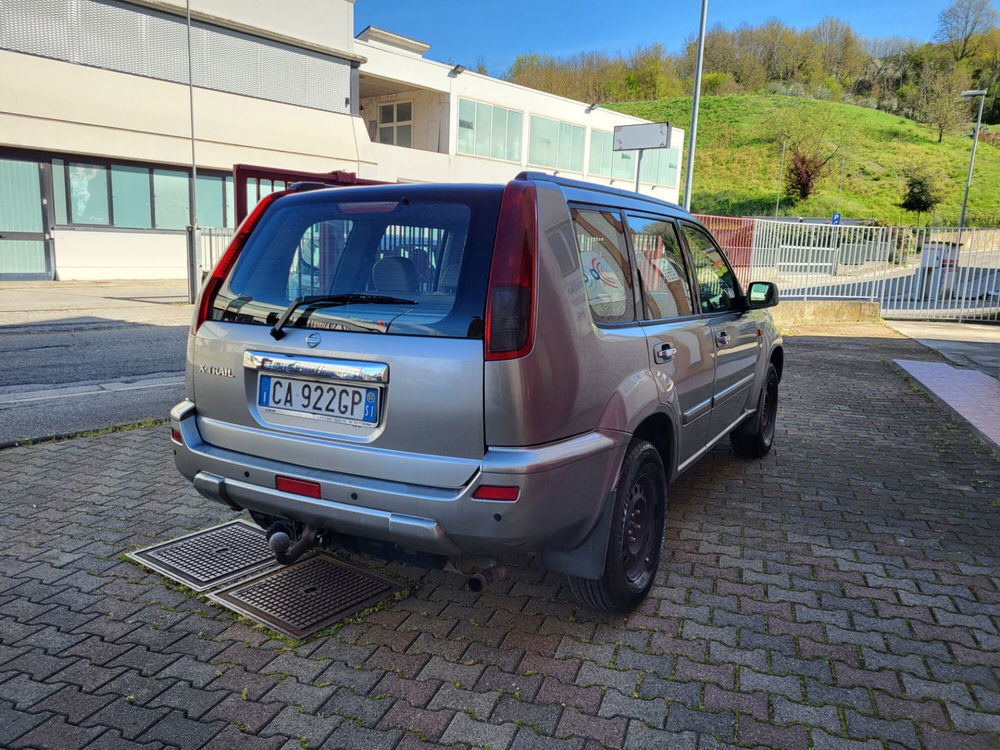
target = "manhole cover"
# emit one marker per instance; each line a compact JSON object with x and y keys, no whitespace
{"x":306,"y":597}
{"x":209,"y":557}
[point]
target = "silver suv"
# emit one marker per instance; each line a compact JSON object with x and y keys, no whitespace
{"x":462,"y":373}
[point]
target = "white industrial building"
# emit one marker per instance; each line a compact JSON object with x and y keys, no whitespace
{"x":99,"y":125}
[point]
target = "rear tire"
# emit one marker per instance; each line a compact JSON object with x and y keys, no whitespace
{"x":636,"y":535}
{"x":754,"y":438}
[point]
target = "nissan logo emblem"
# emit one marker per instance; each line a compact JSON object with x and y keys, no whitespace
{"x":313,"y":340}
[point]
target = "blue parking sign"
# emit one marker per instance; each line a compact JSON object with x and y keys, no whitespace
{"x":835,"y":219}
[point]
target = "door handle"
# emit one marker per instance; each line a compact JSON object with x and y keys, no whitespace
{"x":663,"y":353}
{"x":722,"y":338}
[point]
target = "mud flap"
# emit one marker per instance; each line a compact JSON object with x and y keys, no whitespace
{"x":589,"y":558}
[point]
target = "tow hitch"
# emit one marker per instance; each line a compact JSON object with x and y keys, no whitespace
{"x":279,"y":540}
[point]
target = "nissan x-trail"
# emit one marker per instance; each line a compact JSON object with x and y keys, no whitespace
{"x":469,"y":373}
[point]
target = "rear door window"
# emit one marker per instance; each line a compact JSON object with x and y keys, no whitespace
{"x":607,"y":275}
{"x":433,"y":254}
{"x":665,"y":283}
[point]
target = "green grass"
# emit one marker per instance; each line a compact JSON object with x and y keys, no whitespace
{"x":738,"y":155}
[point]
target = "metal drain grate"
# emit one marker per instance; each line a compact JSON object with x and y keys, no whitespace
{"x":306,"y":597}
{"x":209,"y":557}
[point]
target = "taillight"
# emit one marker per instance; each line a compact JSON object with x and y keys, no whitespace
{"x":226,"y":262}
{"x":510,"y":298}
{"x":176,"y":436}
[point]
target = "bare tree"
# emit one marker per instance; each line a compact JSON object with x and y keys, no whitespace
{"x":962,"y":22}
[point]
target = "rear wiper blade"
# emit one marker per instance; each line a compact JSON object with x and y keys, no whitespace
{"x":332,"y":300}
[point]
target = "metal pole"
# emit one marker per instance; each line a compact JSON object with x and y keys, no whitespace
{"x":781,"y":172}
{"x":638,"y":169}
{"x":693,"y":137}
{"x":972,"y":161}
{"x":840,"y":187}
{"x":194,"y":283}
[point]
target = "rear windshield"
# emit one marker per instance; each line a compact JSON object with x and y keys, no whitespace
{"x":425,"y":253}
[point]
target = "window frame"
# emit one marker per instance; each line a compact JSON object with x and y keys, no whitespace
{"x":107,"y":164}
{"x":740,"y":298}
{"x":685,"y":257}
{"x":637,"y":301}
{"x":556,"y":166}
{"x":520,"y":139}
{"x":396,"y":123}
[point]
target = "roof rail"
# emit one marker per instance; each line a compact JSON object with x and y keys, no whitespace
{"x":584,"y":185}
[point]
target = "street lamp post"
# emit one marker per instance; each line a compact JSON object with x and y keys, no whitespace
{"x":967,"y":95}
{"x":689,"y":172}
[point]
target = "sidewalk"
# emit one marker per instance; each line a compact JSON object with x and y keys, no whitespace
{"x":843,"y":592}
{"x":162,"y":302}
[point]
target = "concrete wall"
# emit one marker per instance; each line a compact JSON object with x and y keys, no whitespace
{"x":86,"y":254}
{"x":58,"y":106}
{"x":789,"y":312}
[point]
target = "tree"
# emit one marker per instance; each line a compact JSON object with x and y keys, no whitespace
{"x":811,"y":147}
{"x":938,"y":100}
{"x":961,"y":25}
{"x":921,"y":192}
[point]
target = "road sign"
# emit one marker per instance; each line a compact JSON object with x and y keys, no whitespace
{"x":642,"y":135}
{"x":835,"y":219}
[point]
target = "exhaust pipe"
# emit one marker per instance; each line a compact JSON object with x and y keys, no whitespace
{"x":485,"y":576}
{"x":280,"y":543}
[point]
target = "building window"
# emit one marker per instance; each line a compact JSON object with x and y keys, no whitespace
{"x":486,"y":130}
{"x":607,"y":162}
{"x":131,"y":196}
{"x":88,"y":194}
{"x":660,"y":166}
{"x":395,"y":124}
{"x":556,"y":144}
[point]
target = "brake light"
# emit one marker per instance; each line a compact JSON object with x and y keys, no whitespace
{"x":228,"y":259}
{"x":297,"y":486}
{"x":493,"y":492}
{"x":176,"y":436}
{"x":510,"y":297}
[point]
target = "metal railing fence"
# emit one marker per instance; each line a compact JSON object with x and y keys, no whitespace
{"x":912,"y":272}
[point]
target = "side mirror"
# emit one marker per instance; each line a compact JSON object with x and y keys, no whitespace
{"x":761,"y":294}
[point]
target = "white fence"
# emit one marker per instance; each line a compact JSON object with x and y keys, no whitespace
{"x":212,"y":243}
{"x":912,"y":272}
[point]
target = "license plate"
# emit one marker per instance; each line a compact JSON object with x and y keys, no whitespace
{"x":331,"y":402}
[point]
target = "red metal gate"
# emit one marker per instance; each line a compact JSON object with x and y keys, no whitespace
{"x":259,"y":181}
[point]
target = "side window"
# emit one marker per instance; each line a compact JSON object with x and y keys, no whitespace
{"x":607,"y":277}
{"x":716,"y":282}
{"x":660,"y":262}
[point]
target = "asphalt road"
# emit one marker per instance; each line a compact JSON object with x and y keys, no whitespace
{"x":86,"y":373}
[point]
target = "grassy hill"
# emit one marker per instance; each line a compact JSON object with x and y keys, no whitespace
{"x":737,"y":160}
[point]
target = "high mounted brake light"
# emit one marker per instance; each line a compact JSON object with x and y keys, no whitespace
{"x":226,"y":262}
{"x":510,"y":297}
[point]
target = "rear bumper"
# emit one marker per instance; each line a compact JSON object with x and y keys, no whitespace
{"x":562,"y":487}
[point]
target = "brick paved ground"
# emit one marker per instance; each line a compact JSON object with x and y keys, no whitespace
{"x":842,"y":593}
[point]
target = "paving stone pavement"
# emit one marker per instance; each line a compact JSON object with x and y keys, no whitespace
{"x":842,"y":593}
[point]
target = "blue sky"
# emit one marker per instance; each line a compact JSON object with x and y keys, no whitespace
{"x":499,"y":31}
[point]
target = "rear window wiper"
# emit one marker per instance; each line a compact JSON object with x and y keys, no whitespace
{"x":332,"y":300}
